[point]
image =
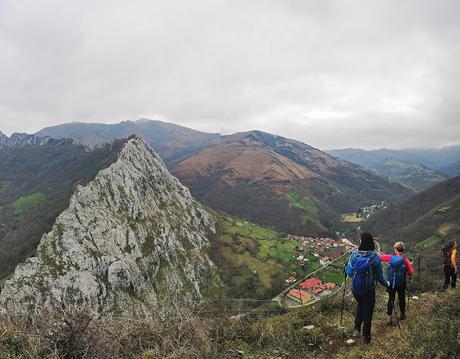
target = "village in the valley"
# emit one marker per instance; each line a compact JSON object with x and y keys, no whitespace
{"x":330,"y":254}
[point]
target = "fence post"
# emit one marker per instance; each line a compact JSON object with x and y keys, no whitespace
{"x":418,"y":269}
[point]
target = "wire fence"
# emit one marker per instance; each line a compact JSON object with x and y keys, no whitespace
{"x":250,"y":308}
{"x":240,"y":308}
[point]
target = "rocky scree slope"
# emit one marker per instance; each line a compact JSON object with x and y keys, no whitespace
{"x":130,"y":243}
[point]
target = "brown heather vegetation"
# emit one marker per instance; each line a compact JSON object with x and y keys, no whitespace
{"x":431,"y":331}
{"x":249,"y":174}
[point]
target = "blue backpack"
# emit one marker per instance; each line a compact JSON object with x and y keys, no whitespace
{"x":363,"y":277}
{"x":396,"y":271}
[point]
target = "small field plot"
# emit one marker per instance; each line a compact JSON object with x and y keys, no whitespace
{"x":28,"y":201}
{"x":231,"y":225}
{"x":255,"y":260}
{"x":428,"y":243}
{"x":351,"y":218}
{"x":333,"y":275}
{"x":301,"y":202}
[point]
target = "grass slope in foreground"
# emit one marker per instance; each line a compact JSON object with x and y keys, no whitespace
{"x":431,"y":331}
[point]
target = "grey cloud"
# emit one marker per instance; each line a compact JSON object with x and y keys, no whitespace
{"x":330,"y":73}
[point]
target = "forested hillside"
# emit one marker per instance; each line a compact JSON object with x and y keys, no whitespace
{"x":37,"y":178}
{"x":424,"y":220}
{"x":407,"y":168}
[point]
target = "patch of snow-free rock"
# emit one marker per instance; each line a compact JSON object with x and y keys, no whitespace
{"x":130,"y":242}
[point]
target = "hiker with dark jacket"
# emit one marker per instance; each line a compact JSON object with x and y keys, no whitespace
{"x":399,"y":267}
{"x":449,"y":253}
{"x":365,"y":268}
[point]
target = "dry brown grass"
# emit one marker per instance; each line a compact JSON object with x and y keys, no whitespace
{"x":431,"y":331}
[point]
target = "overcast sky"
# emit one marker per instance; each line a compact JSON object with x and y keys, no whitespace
{"x":333,"y":74}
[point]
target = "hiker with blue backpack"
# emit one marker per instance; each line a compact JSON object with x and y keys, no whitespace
{"x":399,"y":267}
{"x":365,"y":269}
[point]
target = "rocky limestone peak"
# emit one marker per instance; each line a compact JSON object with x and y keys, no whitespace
{"x":3,"y":138}
{"x":130,"y":243}
{"x":22,"y":139}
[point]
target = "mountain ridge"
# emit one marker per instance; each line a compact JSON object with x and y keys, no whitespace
{"x":249,"y":174}
{"x":37,"y":178}
{"x":172,"y":142}
{"x":22,"y":139}
{"x":433,"y":158}
{"x":129,"y":240}
{"x":424,"y":220}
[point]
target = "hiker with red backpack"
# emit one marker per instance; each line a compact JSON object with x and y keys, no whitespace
{"x":365,"y":268}
{"x":399,"y":267}
{"x":449,"y":261}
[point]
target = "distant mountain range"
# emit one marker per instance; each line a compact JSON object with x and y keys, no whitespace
{"x":172,"y":142}
{"x":415,"y":168}
{"x":265,"y":178}
{"x":452,"y":169}
{"x":424,"y":221}
{"x":120,"y":234}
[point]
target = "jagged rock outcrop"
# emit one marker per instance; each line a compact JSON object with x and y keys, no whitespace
{"x":130,"y":242}
{"x":22,"y":139}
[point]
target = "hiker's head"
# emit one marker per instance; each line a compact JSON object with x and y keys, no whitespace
{"x":399,"y":247}
{"x":454,"y":243}
{"x":367,"y":242}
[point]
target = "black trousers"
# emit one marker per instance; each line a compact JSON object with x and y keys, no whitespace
{"x":401,"y":291}
{"x":364,"y":313}
{"x":450,"y":277}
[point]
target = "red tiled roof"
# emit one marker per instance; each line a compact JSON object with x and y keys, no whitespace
{"x":330,"y":285}
{"x":317,"y":290}
{"x":310,"y":283}
{"x":299,"y":294}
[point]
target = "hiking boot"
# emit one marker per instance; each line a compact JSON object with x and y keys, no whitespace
{"x":356,"y":333}
{"x":402,"y":317}
{"x":389,"y":321}
{"x":367,"y":340}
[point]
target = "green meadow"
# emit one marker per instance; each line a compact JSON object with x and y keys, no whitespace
{"x":28,"y":201}
{"x":304,"y":203}
{"x":256,"y":260}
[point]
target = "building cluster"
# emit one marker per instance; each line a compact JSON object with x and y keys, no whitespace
{"x":366,"y":212}
{"x":310,"y":289}
{"x":325,"y":249}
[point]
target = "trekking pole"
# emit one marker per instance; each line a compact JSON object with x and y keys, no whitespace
{"x":411,"y":260}
{"x":408,"y":293}
{"x":396,"y":316}
{"x":343,"y":296}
